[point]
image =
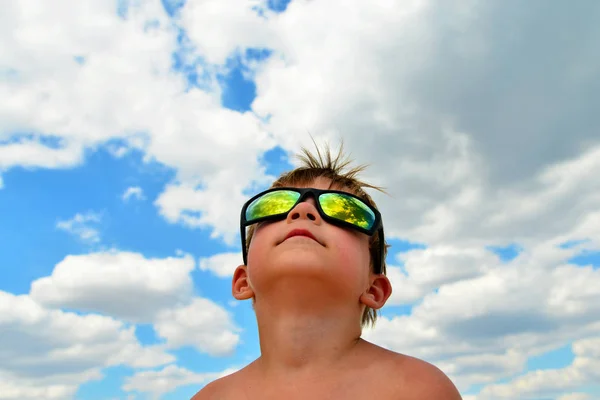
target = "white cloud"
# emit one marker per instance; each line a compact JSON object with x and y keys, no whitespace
{"x":66,"y":93}
{"x":442,"y":162}
{"x":135,"y":289}
{"x":202,"y":324}
{"x":82,"y":226}
{"x":441,"y":138}
{"x":583,"y":371}
{"x":233,"y":303}
{"x":575,"y":396}
{"x":49,"y":353}
{"x":30,"y":153}
{"x":125,"y":89}
{"x":446,"y":157}
{"x":497,"y":319}
{"x":216,"y":202}
{"x":121,"y":284}
{"x":168,"y":379}
{"x":427,"y":269}
{"x":133,"y":191}
{"x":222,"y":264}
{"x":221,"y":28}
{"x":16,"y":388}
{"x":118,"y":151}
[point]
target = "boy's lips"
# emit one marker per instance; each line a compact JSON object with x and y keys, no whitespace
{"x":300,"y":232}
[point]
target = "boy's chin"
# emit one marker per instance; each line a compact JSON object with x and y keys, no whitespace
{"x":299,"y":276}
{"x":291,"y":263}
{"x":296,"y":269}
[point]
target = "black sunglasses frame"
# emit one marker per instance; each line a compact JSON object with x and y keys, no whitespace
{"x":316,"y":193}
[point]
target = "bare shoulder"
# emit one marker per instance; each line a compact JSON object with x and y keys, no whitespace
{"x":411,"y":378}
{"x":213,"y":390}
{"x":217,"y":389}
{"x":427,"y":381}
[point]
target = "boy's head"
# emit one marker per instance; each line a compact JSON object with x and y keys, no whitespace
{"x":328,"y":173}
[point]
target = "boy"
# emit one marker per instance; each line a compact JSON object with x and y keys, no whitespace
{"x":314,"y":267}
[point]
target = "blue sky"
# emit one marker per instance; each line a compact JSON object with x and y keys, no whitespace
{"x":471,"y":228}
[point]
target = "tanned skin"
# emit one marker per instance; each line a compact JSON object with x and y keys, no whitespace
{"x":309,"y":297}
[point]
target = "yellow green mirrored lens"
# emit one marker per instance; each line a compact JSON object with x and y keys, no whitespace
{"x":347,"y":208}
{"x":272,"y":203}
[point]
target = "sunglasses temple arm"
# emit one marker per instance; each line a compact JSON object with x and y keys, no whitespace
{"x":243,"y":238}
{"x":381,"y":249}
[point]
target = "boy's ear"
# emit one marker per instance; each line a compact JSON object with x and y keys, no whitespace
{"x":240,"y":285}
{"x":377,"y":294}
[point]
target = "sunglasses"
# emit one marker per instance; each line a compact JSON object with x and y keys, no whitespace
{"x":336,"y":207}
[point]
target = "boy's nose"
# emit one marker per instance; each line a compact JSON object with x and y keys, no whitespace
{"x":306,"y":209}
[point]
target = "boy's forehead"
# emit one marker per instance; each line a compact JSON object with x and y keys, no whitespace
{"x":321,"y":183}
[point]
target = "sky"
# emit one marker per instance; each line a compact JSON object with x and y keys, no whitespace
{"x":131,"y":133}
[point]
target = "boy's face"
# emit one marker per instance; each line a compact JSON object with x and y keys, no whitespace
{"x":338,"y":258}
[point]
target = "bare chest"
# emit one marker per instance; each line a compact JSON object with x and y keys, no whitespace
{"x":317,"y":389}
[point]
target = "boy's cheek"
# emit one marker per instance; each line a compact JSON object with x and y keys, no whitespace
{"x":353,"y":257}
{"x":255,"y":240}
{"x":262,"y":229}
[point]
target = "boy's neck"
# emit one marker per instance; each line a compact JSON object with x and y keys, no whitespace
{"x":303,"y":336}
